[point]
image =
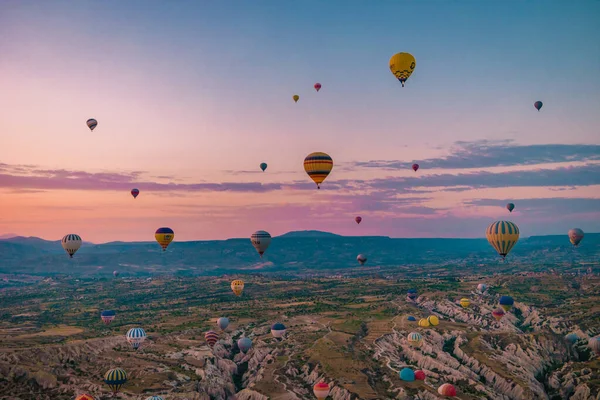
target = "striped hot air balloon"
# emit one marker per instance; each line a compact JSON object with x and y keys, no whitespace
{"x":115,"y":379}
{"x":321,"y":390}
{"x":594,"y":344}
{"x":318,"y":166}
{"x":84,"y":396}
{"x":71,"y":243}
{"x":164,"y":236}
{"x":107,"y":316}
{"x":447,"y":390}
{"x":498,"y":313}
{"x":433,"y":320}
{"x":361,"y":259}
{"x":506,"y":302}
{"x":237,"y":286}
{"x":278,"y":330}
{"x":154,"y":398}
{"x":502,"y":235}
{"x":211,"y":338}
{"x":261,"y":241}
{"x":223,"y":323}
{"x":464,"y":302}
{"x":135,"y":337}
{"x":415,"y":339}
{"x":91,"y":123}
{"x":135,"y":192}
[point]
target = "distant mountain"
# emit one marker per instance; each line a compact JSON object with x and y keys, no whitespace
{"x":8,"y":235}
{"x":308,"y":234}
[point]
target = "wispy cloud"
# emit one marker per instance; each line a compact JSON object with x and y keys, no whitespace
{"x":486,"y":154}
{"x":544,"y":205}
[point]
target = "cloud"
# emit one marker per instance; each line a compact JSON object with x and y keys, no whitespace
{"x":504,"y":153}
{"x":544,"y":205}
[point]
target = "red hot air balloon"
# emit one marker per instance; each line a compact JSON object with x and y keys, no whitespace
{"x":211,"y":338}
{"x":420,"y":375}
{"x":415,"y":167}
{"x":135,"y":192}
{"x":317,"y":86}
{"x":447,"y":390}
{"x":358,"y":219}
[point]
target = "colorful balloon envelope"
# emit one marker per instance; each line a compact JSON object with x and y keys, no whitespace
{"x":594,"y":345}
{"x":424,"y":323}
{"x":420,"y":375}
{"x":433,"y":320}
{"x":115,"y":379}
{"x":572,"y":338}
{"x":237,"y":286}
{"x":84,"y":396}
{"x":154,"y":398}
{"x":263,"y":166}
{"x":91,"y":123}
{"x":135,"y":192}
{"x":116,"y":273}
{"x":407,"y":374}
{"x":318,"y":166}
{"x":411,"y":318}
{"x":538,"y":105}
{"x":506,"y":302}
{"x":482,"y":287}
{"x":402,"y":66}
{"x":575,"y":236}
{"x":164,"y":236}
{"x":244,"y":344}
{"x":71,"y":243}
{"x":108,"y":316}
{"x":135,"y":337}
{"x":278,"y":330}
{"x":412,"y":294}
{"x":296,"y":98}
{"x":223,"y":323}
{"x":317,"y":86}
{"x":358,"y":219}
{"x":261,"y":241}
{"x":415,"y":339}
{"x":321,"y":390}
{"x":498,"y":313}
{"x":502,"y":235}
{"x":464,"y":302}
{"x":211,"y":338}
{"x":361,"y":259}
{"x":447,"y":390}
{"x":510,"y":207}
{"x":415,"y":167}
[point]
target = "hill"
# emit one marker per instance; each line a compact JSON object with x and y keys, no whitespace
{"x":308,"y":234}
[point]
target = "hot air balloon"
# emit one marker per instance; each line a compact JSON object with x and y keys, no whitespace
{"x":71,"y":243}
{"x":538,"y":104}
{"x":211,"y":338}
{"x":402,"y":66}
{"x":502,"y":235}
{"x":415,"y":339}
{"x":317,"y":86}
{"x":278,"y":330}
{"x":135,"y":337}
{"x":411,"y":318}
{"x":116,"y":273}
{"x":263,"y":166}
{"x":498,"y":313}
{"x":321,"y":390}
{"x":154,"y":398}
{"x":115,"y":378}
{"x":510,"y":207}
{"x":91,"y":123}
{"x":358,"y":219}
{"x":506,"y":302}
{"x":412,"y":294}
{"x":107,"y":316}
{"x":447,"y":390}
{"x":464,"y":302}
{"x":415,"y":167}
{"x":237,"y":286}
{"x":164,"y":236}
{"x":407,"y":374}
{"x":296,"y":98}
{"x":433,"y":320}
{"x":318,"y":166}
{"x":135,"y":192}
{"x":419,"y":375}
{"x":482,"y":287}
{"x":361,"y":259}
{"x":575,"y":236}
{"x":261,"y":241}
{"x":223,"y":323}
{"x":594,"y":344}
{"x":84,"y":396}
{"x":244,"y":344}
{"x":572,"y":338}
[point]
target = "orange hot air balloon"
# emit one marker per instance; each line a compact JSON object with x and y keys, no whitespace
{"x":237,"y":286}
{"x":318,"y":165}
{"x":317,"y":86}
{"x":321,"y":390}
{"x":84,"y":396}
{"x":447,"y":390}
{"x":415,"y":167}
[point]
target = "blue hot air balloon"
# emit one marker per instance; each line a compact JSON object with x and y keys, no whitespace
{"x":506,"y":302}
{"x":223,"y":323}
{"x":244,"y":344}
{"x":407,"y":374}
{"x":411,"y":318}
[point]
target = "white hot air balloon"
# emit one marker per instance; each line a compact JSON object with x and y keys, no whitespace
{"x":261,"y":241}
{"x":71,"y":243}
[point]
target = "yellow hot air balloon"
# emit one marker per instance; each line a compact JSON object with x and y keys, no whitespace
{"x":402,"y":66}
{"x":503,"y":236}
{"x":296,"y":98}
{"x":433,"y":320}
{"x":318,"y":166}
{"x":237,"y":286}
{"x":464,"y":302}
{"x":164,"y":236}
{"x":423,"y":323}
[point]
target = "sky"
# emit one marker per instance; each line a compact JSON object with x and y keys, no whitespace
{"x":192,"y":96}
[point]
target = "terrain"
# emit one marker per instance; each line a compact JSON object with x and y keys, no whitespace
{"x":350,"y":332}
